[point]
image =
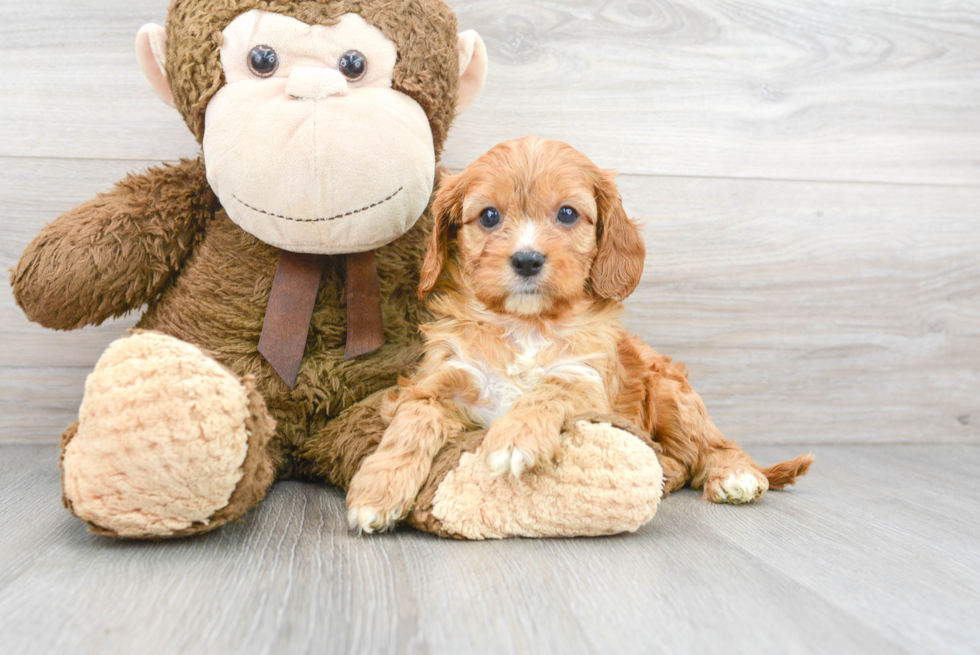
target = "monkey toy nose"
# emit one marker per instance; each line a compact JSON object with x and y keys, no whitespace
{"x":316,"y":83}
{"x":527,"y":263}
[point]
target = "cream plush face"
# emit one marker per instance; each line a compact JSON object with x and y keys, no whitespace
{"x":307,"y":159}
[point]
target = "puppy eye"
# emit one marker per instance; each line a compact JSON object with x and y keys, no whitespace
{"x":567,"y":215}
{"x":353,"y":65}
{"x":489,"y":217}
{"x":263,"y":61}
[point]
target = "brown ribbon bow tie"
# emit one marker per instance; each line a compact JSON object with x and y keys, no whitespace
{"x":290,"y":310}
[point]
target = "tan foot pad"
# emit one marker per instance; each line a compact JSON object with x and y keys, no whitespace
{"x":606,"y":481}
{"x":161,"y":438}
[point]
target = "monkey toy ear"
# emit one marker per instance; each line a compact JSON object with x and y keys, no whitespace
{"x":472,"y":69}
{"x":151,"y":51}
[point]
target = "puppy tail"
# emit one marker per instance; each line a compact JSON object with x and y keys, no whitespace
{"x":785,"y":473}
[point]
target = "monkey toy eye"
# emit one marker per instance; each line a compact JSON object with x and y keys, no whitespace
{"x":353,"y":65}
{"x":489,"y":217}
{"x":567,"y":215}
{"x":263,"y":61}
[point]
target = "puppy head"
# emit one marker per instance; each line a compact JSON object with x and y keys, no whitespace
{"x":537,"y":226}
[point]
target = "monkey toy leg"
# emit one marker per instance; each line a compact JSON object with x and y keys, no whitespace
{"x":607,"y":479}
{"x":169,"y":443}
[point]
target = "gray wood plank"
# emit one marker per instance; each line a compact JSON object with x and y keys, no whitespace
{"x":806,"y":311}
{"x":39,"y":403}
{"x":815,"y":312}
{"x":42,"y":372}
{"x":845,"y":563}
{"x":802,"y":89}
{"x":34,"y":192}
{"x":809,"y":312}
{"x":888,"y":533}
{"x":77,"y":83}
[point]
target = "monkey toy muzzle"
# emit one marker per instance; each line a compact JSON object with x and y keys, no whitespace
{"x":308,"y":146}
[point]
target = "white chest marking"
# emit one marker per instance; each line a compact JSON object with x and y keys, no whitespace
{"x":499,"y":389}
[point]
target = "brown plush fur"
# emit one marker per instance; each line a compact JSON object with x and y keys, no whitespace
{"x":421,"y":516}
{"x":160,"y":239}
{"x":134,"y":240}
{"x":218,"y":301}
{"x":424,"y":31}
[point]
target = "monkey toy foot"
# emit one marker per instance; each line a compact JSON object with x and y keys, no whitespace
{"x":606,"y":479}
{"x":168,"y":442}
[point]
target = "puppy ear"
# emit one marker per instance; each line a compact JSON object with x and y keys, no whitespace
{"x":447,"y":211}
{"x":619,"y":259}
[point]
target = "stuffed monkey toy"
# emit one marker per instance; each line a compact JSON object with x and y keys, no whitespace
{"x":278,"y":272}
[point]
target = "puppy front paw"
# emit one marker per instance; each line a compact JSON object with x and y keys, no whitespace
{"x":380,"y":496}
{"x":510,"y":447}
{"x":370,"y":520}
{"x":512,"y":460}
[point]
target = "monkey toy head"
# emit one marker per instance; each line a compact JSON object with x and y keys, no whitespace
{"x":321,"y":121}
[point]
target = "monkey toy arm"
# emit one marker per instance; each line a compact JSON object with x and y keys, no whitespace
{"x":116,"y":252}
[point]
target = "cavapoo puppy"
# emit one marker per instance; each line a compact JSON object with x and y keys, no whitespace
{"x":529,"y":257}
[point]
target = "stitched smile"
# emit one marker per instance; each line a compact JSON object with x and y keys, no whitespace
{"x":318,"y":220}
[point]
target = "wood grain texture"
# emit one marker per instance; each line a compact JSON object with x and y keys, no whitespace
{"x":34,"y":192}
{"x":803,"y":89}
{"x":806,"y":311}
{"x":808,"y":172}
{"x":813,"y":311}
{"x":875,"y":552}
{"x":42,"y":372}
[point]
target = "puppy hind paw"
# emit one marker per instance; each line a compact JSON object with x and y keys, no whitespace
{"x":509,"y":460}
{"x":737,"y":488}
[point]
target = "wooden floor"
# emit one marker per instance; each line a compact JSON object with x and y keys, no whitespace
{"x":878,"y":551}
{"x":809,"y":176}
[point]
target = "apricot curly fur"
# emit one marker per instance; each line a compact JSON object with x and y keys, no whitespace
{"x":519,"y":352}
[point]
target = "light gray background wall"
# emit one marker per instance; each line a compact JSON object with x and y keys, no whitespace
{"x":808,"y":172}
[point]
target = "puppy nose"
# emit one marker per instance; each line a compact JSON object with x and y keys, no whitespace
{"x":527,"y":262}
{"x":315,"y":83}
